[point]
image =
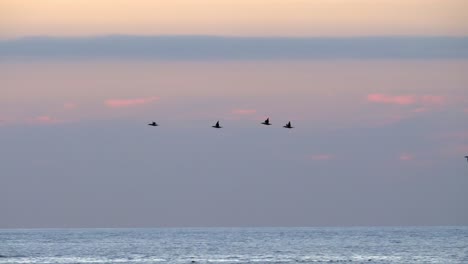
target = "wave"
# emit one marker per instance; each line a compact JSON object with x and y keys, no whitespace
{"x":199,"y":259}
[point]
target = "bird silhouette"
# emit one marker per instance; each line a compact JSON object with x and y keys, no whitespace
{"x":288,"y":125}
{"x":466,"y":157}
{"x":217,"y":125}
{"x":153,"y":124}
{"x":267,"y":122}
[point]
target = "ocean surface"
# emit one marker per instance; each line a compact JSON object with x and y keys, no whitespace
{"x":236,"y":245}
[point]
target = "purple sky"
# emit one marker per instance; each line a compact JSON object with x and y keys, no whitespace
{"x":377,"y":92}
{"x":377,"y":142}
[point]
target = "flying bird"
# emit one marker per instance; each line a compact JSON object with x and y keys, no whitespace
{"x":153,"y":124}
{"x":288,"y":125}
{"x":217,"y":125}
{"x":267,"y":122}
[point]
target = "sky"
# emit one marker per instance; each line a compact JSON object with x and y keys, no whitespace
{"x":233,"y":17}
{"x":376,"y":90}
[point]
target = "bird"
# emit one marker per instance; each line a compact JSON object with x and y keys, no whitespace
{"x":466,"y":157}
{"x":153,"y":124}
{"x":288,"y":125}
{"x":267,"y":122}
{"x":217,"y":125}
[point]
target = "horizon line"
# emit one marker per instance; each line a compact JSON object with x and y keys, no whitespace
{"x":385,"y":36}
{"x":208,"y":47}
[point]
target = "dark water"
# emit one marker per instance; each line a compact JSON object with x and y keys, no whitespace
{"x":236,"y":245}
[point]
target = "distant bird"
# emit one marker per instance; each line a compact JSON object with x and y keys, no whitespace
{"x":153,"y":124}
{"x":217,"y":125}
{"x":267,"y":122}
{"x":466,"y":157}
{"x":288,"y":125}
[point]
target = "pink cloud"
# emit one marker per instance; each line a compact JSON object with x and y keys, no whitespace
{"x":388,"y":99}
{"x":462,"y":149}
{"x":422,"y":104}
{"x":321,"y":157}
{"x":425,"y":100}
{"x":45,"y":120}
{"x":244,"y":111}
{"x":70,"y":106}
{"x":117,"y":103}
{"x":388,"y":120}
{"x":420,"y":110}
{"x":457,"y":135}
{"x":406,"y":157}
{"x":9,"y":121}
{"x":39,"y":120}
{"x":432,"y":100}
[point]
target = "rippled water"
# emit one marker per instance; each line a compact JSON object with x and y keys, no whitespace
{"x":236,"y":245}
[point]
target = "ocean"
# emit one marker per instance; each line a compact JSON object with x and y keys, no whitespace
{"x":236,"y":245}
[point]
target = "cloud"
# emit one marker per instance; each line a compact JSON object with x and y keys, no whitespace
{"x":432,"y":100}
{"x":321,"y":157}
{"x":390,"y":119}
{"x":423,"y":100}
{"x":421,"y":110}
{"x":409,"y":106}
{"x":70,"y":106}
{"x":234,"y":48}
{"x":244,"y":111}
{"x":456,"y":135}
{"x":38,"y":120}
{"x":46,"y":120}
{"x":388,"y":99}
{"x":118,"y":103}
{"x":462,"y":149}
{"x":406,"y":157}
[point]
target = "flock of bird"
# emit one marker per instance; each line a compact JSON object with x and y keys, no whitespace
{"x":266,"y":122}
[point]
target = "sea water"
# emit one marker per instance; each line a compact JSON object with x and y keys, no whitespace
{"x":236,"y":245}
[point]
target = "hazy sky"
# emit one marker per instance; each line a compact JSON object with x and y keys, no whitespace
{"x":233,"y":17}
{"x":380,"y":121}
